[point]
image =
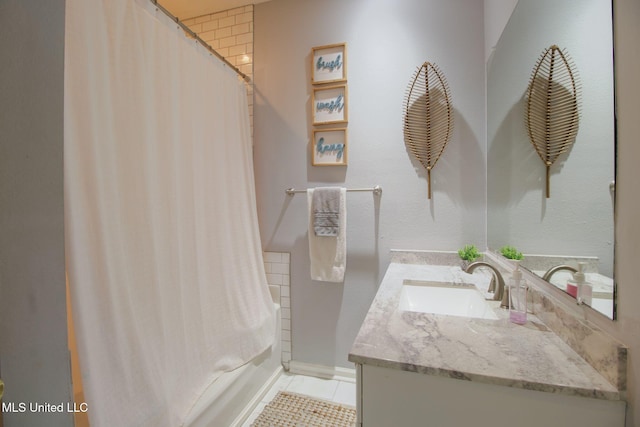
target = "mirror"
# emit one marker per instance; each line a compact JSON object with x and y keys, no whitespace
{"x":576,"y":223}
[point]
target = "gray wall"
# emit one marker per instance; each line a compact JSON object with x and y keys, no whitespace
{"x":385,"y":44}
{"x":34,"y":359}
{"x":577,"y":220}
{"x":496,"y":16}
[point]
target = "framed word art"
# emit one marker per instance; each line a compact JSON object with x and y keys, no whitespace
{"x":329,"y":147}
{"x":329,"y":104}
{"x":329,"y":64}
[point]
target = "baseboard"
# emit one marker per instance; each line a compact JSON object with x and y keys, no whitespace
{"x":257,"y":398}
{"x":320,"y":371}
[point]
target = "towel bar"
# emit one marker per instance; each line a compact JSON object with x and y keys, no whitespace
{"x":377,"y":190}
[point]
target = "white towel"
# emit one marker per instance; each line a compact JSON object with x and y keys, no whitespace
{"x":328,"y":254}
{"x":325,"y":207}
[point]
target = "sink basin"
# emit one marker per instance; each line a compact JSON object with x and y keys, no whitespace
{"x":444,"y":298}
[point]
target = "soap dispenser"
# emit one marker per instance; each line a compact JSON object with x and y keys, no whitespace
{"x":578,"y":287}
{"x":574,"y":283}
{"x":585,"y":290}
{"x":517,"y":297}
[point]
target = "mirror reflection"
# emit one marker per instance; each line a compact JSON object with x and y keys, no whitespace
{"x":576,"y":223}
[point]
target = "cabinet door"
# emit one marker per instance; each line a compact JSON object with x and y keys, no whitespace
{"x":398,"y":398}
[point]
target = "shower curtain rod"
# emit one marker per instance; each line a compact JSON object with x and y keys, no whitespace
{"x":377,"y":190}
{"x":202,"y":42}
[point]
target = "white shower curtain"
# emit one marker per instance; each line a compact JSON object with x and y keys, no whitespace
{"x":163,"y":252}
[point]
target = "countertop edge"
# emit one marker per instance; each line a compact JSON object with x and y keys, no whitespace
{"x":486,"y":379}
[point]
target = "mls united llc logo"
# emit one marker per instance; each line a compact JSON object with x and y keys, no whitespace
{"x":22,"y":407}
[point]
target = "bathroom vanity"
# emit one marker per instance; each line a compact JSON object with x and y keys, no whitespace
{"x":417,"y":365}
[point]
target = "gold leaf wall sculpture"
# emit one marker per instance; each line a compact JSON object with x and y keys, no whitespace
{"x":552,"y":109}
{"x":428,"y":118}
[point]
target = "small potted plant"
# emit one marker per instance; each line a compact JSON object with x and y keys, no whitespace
{"x":468,"y":254}
{"x":509,"y":252}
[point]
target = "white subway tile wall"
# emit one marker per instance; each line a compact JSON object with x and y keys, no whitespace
{"x":230,"y":33}
{"x":277,"y":267}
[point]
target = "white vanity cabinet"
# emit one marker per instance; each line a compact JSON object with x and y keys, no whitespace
{"x":421,"y":368}
{"x":392,"y":397}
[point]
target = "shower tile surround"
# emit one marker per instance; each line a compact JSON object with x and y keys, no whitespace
{"x":230,"y":33}
{"x":277,"y":267}
{"x":599,"y":372}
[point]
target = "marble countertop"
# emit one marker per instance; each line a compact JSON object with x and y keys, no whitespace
{"x":497,"y":352}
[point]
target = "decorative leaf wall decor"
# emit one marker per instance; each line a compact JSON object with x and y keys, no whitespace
{"x":552,"y":110}
{"x":428,"y":118}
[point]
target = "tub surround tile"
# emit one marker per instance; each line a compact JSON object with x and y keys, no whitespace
{"x":280,"y":268}
{"x":497,"y":352}
{"x":274,"y":279}
{"x":230,"y":33}
{"x":277,"y":267}
{"x":272,"y":257}
{"x":285,"y":302}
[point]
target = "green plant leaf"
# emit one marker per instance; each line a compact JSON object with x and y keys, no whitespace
{"x":510,"y":252}
{"x":469,"y":253}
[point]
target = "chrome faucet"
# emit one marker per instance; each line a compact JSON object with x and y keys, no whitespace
{"x":501,"y":293}
{"x":550,"y":272}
